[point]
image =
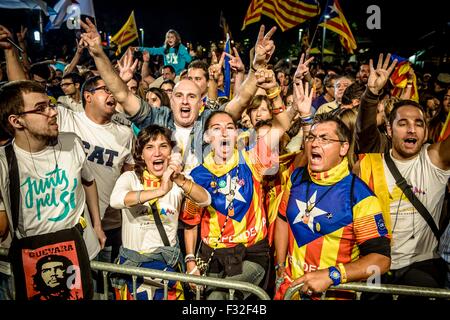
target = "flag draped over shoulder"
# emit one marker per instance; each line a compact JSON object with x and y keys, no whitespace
{"x":400,"y":76}
{"x":287,"y":13}
{"x":337,"y":23}
{"x":227,"y":72}
{"x":127,"y":34}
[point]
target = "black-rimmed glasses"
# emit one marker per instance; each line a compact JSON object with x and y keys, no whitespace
{"x":321,"y":140}
{"x":41,"y":109}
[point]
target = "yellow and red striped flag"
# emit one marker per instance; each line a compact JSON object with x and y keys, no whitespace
{"x":286,"y":13}
{"x":336,"y":22}
{"x":445,"y":132}
{"x":127,"y":34}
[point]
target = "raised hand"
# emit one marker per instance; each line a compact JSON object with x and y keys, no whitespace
{"x":303,"y":98}
{"x":91,"y":38}
{"x":215,"y":69}
{"x":4,"y":34}
{"x":264,"y":48}
{"x":166,"y":181}
{"x":21,"y":35}
{"x":236,"y":63}
{"x":265,"y":79}
{"x":146,"y":56}
{"x":176,"y":164}
{"x":302,"y":68}
{"x":127,"y":66}
{"x":379,"y":76}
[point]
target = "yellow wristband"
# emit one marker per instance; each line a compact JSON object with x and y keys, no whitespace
{"x":343,"y":272}
{"x":274,"y":94}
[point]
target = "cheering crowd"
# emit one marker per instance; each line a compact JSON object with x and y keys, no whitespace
{"x":315,"y":175}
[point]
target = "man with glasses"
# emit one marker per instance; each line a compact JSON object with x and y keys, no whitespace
{"x":330,"y":226}
{"x":71,"y":85}
{"x":109,"y":148}
{"x":53,"y":160}
{"x":340,"y":85}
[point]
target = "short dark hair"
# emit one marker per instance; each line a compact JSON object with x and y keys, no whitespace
{"x":12,"y":102}
{"x":199,"y":64}
{"x":212,"y":115}
{"x":342,"y":131}
{"x":88,"y":85}
{"x":328,"y":79}
{"x":41,"y":69}
{"x":147,"y":134}
{"x":75,"y":77}
{"x":168,"y":81}
{"x":402,"y":103}
{"x":168,"y":66}
{"x":353,"y":91}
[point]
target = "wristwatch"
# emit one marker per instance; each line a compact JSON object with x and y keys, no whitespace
{"x":335,"y":275}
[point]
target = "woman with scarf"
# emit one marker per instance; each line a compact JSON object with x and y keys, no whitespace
{"x":234,"y":227}
{"x":150,"y":198}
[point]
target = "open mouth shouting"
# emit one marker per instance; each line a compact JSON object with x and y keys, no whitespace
{"x":315,"y":158}
{"x":410,"y":143}
{"x":158,"y":165}
{"x":111,"y":103}
{"x":185,"y":112}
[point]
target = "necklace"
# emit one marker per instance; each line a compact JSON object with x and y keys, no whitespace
{"x":53,"y":142}
{"x":310,"y":206}
{"x":228,"y":188}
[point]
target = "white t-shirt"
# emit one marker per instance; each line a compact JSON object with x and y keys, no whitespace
{"x":52,"y":196}
{"x":139,"y":231}
{"x":183,"y":139}
{"x":71,"y":104}
{"x":108,"y":147}
{"x":412,"y":239}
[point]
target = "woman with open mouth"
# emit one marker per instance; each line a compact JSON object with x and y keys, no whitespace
{"x":150,"y":198}
{"x":234,"y":228}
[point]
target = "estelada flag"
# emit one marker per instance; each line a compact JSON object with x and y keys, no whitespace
{"x":337,"y":23}
{"x":127,"y":34}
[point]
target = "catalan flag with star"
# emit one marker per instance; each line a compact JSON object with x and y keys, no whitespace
{"x":326,"y":224}
{"x":236,"y":190}
{"x":336,"y":22}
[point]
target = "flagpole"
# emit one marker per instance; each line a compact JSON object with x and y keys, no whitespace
{"x":326,"y":17}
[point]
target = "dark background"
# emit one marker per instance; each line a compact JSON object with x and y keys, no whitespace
{"x":406,"y":27}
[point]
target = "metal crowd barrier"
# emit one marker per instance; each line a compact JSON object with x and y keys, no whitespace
{"x":200,"y":281}
{"x":232,"y":285}
{"x":392,"y":289}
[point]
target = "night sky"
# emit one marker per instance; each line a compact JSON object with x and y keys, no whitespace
{"x":403,"y":22}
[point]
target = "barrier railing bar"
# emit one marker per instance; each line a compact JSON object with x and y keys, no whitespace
{"x":208,"y":281}
{"x":105,"y":285}
{"x":383,"y":288}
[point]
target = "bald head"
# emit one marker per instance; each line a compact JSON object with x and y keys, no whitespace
{"x":185,"y":103}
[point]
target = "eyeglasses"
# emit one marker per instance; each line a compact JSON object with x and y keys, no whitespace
{"x":168,"y":90}
{"x":65,"y":84}
{"x":321,"y":140}
{"x":41,"y":109}
{"x":104,"y":88}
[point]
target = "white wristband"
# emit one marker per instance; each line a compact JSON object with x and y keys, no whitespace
{"x":193,"y":270}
